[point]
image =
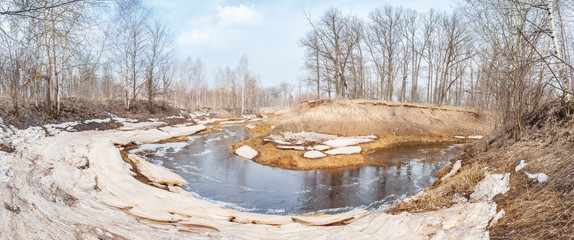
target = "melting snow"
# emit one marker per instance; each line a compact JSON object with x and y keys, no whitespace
{"x":246,"y":152}
{"x":314,"y":154}
{"x":521,"y":165}
{"x":345,"y":150}
{"x":540,"y":177}
{"x":491,"y":186}
{"x":475,"y":137}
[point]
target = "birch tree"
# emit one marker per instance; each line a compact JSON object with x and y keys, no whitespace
{"x":130,"y":47}
{"x":158,"y":54}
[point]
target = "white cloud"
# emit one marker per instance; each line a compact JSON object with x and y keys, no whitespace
{"x":196,"y":36}
{"x":239,"y":15}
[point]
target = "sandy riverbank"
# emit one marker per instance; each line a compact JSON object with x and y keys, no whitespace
{"x":392,"y":123}
{"x":76,"y":185}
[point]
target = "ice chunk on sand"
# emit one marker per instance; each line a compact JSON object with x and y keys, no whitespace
{"x":156,"y":173}
{"x":521,"y":165}
{"x":345,"y":150}
{"x":347,"y":141}
{"x":314,"y":154}
{"x":246,"y":152}
{"x":540,"y":177}
{"x":321,"y":147}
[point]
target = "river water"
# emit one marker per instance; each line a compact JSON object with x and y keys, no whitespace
{"x":215,"y":174}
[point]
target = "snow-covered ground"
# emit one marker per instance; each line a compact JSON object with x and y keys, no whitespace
{"x":73,"y":185}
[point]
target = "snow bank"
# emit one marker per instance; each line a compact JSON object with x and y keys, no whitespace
{"x":156,"y":173}
{"x":116,"y":202}
{"x":4,"y":174}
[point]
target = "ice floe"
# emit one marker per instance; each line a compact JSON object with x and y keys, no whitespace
{"x":345,"y":150}
{"x":246,"y":152}
{"x":314,"y":154}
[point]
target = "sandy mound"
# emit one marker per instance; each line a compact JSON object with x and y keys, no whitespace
{"x":391,"y":123}
{"x":363,"y":117}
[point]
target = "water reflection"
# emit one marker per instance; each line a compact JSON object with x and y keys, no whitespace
{"x":217,"y":175}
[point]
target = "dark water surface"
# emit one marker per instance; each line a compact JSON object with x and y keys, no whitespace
{"x":217,"y":175}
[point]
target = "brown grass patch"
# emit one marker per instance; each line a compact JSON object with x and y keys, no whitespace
{"x":443,"y":194}
{"x":173,"y":140}
{"x":270,"y":155}
{"x":533,"y":210}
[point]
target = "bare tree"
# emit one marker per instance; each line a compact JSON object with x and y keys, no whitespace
{"x":158,"y":55}
{"x":338,"y":35}
{"x":130,"y":46}
{"x":384,"y":40}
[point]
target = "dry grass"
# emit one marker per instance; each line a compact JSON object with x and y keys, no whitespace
{"x":443,"y":194}
{"x":533,"y":210}
{"x":539,"y":210}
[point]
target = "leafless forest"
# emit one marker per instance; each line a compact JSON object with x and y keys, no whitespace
{"x":506,"y":56}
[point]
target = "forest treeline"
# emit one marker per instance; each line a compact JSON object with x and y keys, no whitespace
{"x":507,"y":56}
{"x":97,"y":49}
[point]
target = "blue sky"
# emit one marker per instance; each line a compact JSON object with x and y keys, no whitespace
{"x":219,"y":32}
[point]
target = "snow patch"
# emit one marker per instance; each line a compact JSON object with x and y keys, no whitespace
{"x":161,"y":149}
{"x":106,"y":120}
{"x":321,"y":147}
{"x":345,"y":150}
{"x":347,"y":141}
{"x":540,"y":177}
{"x":119,"y":119}
{"x":314,"y":154}
{"x":454,"y":169}
{"x":521,"y":165}
{"x":497,"y":217}
{"x":492,"y":185}
{"x":477,"y":137}
{"x":246,"y":152}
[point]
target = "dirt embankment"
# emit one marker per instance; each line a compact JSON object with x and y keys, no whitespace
{"x":392,"y":123}
{"x":80,"y":109}
{"x":534,"y":209}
